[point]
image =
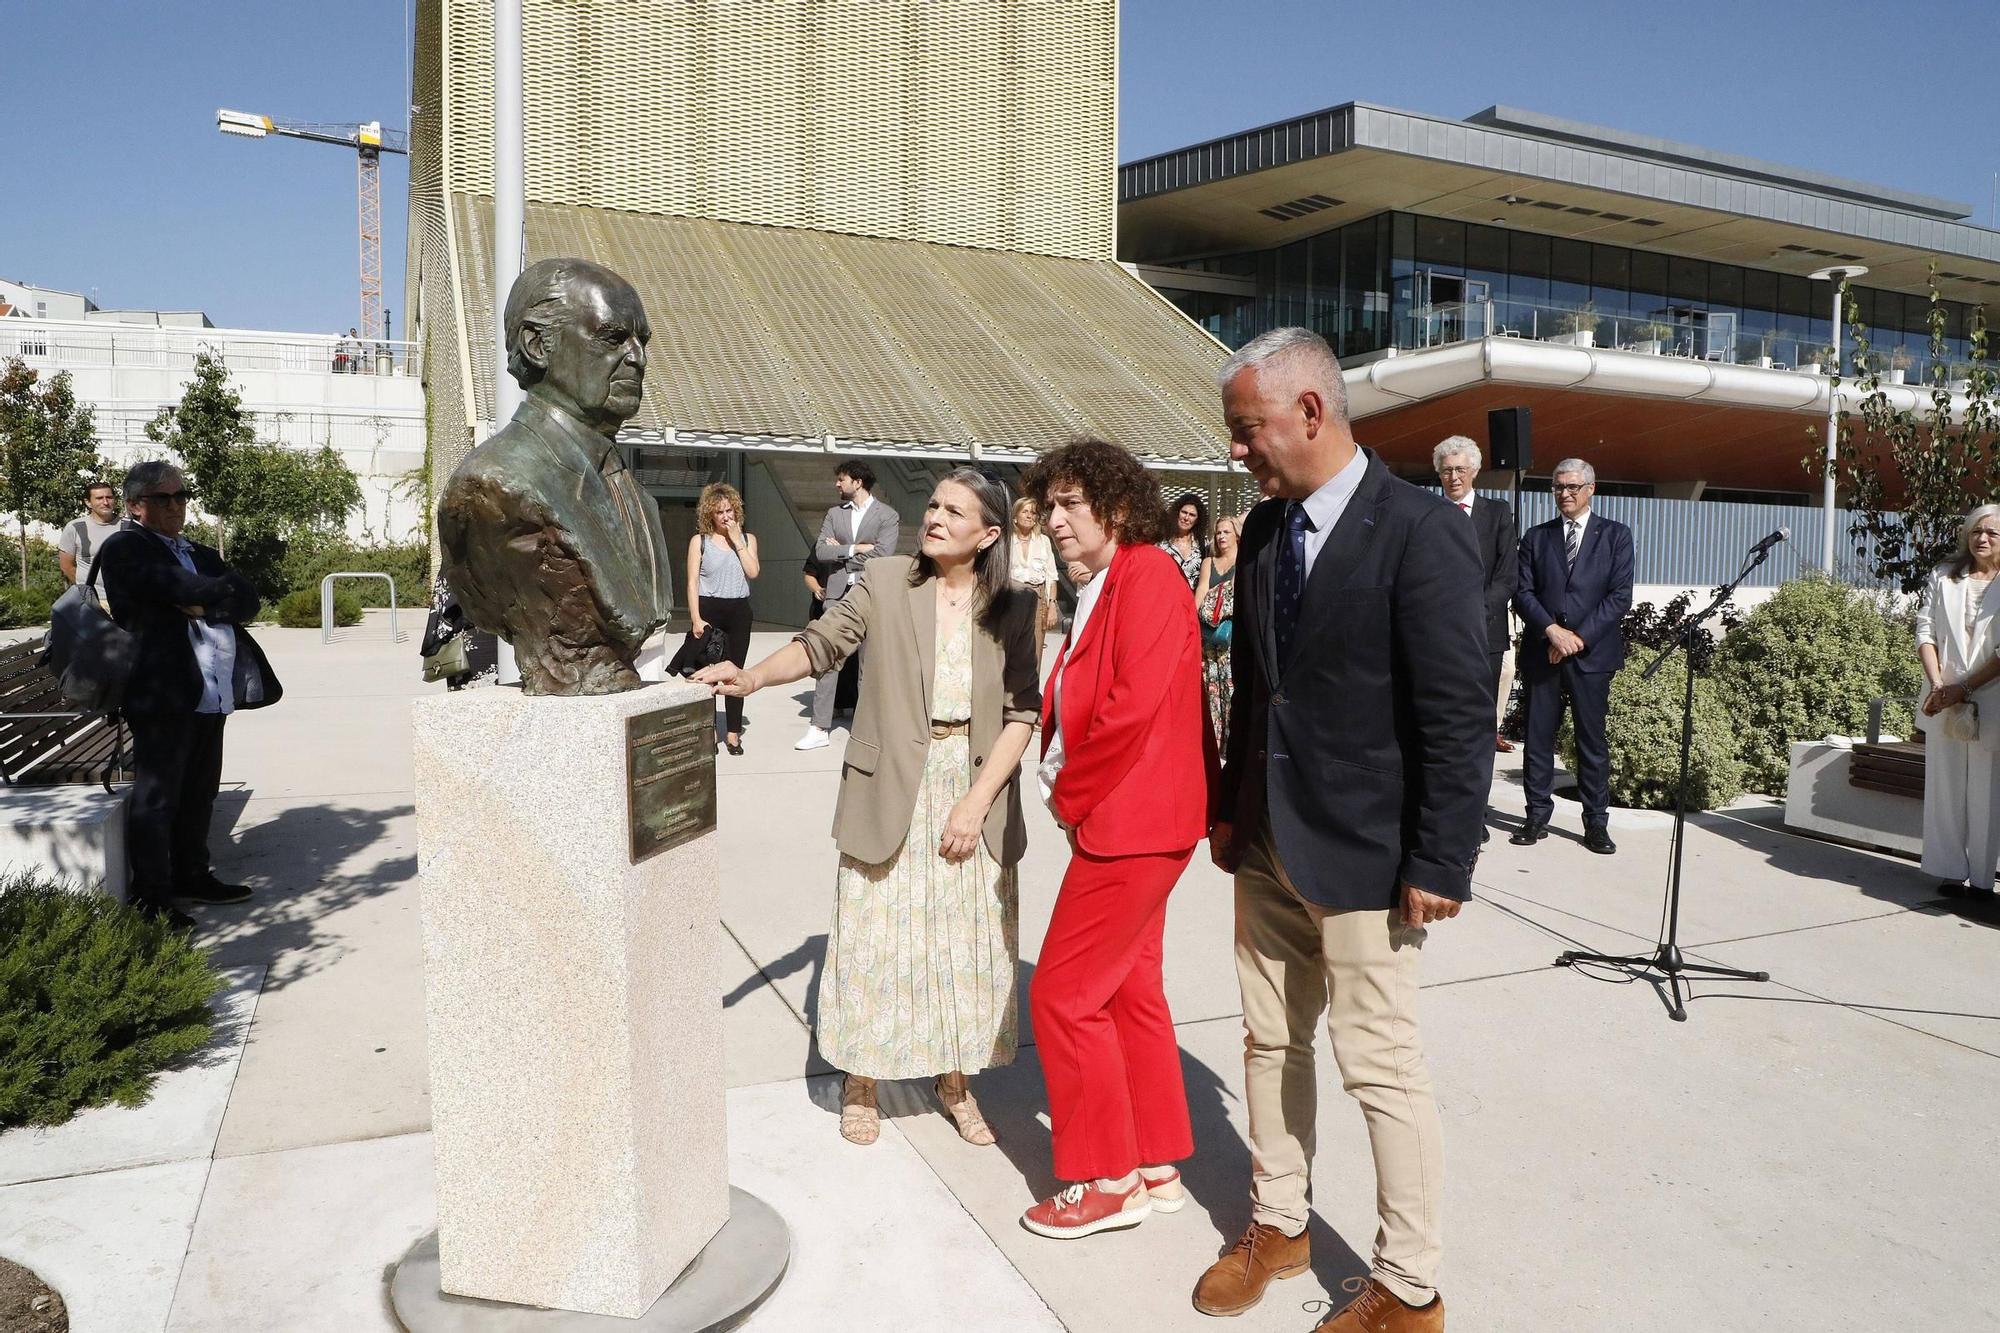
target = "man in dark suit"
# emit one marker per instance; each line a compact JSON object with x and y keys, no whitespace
{"x":1575,"y":588}
{"x":1458,"y":460}
{"x":196,"y":665}
{"x":858,"y":529}
{"x":1349,"y":807}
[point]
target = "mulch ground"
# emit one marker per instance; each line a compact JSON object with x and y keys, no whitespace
{"x":27,"y":1304}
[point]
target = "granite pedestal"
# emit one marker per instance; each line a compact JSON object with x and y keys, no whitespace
{"x":574,"y":1007}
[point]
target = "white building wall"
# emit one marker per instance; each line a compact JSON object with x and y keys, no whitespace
{"x":288,"y":383}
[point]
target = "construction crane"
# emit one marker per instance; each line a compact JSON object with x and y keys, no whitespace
{"x":369,"y":141}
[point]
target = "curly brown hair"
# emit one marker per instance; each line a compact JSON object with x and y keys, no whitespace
{"x":713,"y":496}
{"x":1120,"y":492}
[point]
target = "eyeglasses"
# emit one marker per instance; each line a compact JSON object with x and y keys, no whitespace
{"x":1456,"y":471}
{"x":1572,"y":487}
{"x":169,"y":497}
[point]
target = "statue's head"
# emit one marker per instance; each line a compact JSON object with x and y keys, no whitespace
{"x":576,"y":335}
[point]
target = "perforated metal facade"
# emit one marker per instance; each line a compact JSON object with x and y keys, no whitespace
{"x":976,"y":122}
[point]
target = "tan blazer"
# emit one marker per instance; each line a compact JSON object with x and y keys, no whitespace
{"x":892,"y":719}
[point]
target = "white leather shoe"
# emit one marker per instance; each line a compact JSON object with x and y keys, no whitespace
{"x":814,"y":739}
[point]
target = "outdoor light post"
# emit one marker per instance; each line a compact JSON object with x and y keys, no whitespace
{"x":1838,"y":277}
{"x":509,"y":221}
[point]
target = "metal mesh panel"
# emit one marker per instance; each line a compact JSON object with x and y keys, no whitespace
{"x":430,"y":297}
{"x":792,"y":334}
{"x":987,"y":123}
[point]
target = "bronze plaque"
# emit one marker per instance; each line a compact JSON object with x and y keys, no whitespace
{"x":670,"y":776}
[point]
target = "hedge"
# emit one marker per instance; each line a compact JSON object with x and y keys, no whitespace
{"x":95,"y":1000}
{"x":1643,"y":731}
{"x":300,"y":610}
{"x":1805,"y":664}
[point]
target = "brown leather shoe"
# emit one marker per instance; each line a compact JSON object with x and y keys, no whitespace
{"x":1236,"y":1281}
{"x":1501,"y":745}
{"x":1376,"y":1310}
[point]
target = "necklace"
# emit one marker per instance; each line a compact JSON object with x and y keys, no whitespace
{"x":953,"y":603}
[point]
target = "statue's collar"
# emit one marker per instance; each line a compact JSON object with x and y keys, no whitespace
{"x":596,"y":450}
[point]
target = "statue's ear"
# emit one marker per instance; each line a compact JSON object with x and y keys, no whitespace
{"x":535,"y":345}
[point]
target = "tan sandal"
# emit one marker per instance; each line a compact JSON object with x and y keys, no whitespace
{"x":964,"y":1111}
{"x":860,"y":1121}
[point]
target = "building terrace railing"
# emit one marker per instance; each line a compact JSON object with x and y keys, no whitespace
{"x":67,"y":344}
{"x":1702,"y":335}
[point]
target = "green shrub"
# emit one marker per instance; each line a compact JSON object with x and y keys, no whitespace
{"x":42,"y":562}
{"x":300,"y":610}
{"x":1805,"y":664}
{"x":30,"y":606}
{"x":408,"y":563}
{"x":1643,"y":731}
{"x":95,"y":1000}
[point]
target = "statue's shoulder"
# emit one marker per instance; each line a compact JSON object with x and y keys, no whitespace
{"x":510,"y":461}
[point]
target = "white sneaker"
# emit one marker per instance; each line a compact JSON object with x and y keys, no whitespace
{"x":814,"y":739}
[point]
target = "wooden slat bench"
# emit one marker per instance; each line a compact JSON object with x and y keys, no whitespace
{"x":44,"y":739}
{"x":1895,"y":767}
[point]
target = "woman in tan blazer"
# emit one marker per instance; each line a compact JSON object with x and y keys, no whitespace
{"x":920,"y":959}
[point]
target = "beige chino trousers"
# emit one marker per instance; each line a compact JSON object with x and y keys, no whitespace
{"x":1295,"y":960}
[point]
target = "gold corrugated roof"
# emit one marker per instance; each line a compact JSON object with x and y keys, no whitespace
{"x":794,"y":334}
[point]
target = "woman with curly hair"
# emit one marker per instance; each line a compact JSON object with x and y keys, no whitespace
{"x":1187,"y":537}
{"x":1125,"y":772}
{"x":721,"y":561}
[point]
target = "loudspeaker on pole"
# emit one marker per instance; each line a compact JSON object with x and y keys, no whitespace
{"x":1507,"y":438}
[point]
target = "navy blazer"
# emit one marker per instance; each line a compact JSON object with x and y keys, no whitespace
{"x":1590,"y":600}
{"x":1370,"y":748}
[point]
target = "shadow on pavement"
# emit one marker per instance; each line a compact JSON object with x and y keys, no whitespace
{"x":303,"y":865}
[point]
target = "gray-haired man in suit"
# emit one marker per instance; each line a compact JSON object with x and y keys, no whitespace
{"x":855,"y":531}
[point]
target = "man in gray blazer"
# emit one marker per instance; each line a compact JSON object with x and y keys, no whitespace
{"x":858,"y":529}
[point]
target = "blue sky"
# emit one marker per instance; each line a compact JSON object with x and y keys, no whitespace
{"x":130,"y":193}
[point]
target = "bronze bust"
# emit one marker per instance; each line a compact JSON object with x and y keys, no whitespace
{"x":548,"y":540}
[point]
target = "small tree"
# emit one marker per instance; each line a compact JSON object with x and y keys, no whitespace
{"x":48,"y":449}
{"x":247,"y":485}
{"x":1912,"y":475}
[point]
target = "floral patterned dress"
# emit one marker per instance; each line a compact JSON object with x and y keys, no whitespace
{"x":920,"y":959}
{"x":1217,"y":607}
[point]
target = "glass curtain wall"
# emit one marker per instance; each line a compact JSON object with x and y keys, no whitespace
{"x":1410,"y":281}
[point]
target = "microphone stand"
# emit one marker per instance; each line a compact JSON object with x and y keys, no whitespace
{"x":1665,"y":962}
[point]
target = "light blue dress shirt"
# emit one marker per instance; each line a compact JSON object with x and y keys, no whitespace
{"x":1325,"y":505}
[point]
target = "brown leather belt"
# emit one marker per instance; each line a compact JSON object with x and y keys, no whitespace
{"x":940,"y":730}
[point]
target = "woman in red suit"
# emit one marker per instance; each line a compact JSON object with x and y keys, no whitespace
{"x":1124,"y":769}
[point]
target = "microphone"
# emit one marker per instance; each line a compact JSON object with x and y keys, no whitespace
{"x":1763,"y":547}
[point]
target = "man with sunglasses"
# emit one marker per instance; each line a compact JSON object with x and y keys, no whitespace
{"x":196,"y":665}
{"x":1575,"y":588}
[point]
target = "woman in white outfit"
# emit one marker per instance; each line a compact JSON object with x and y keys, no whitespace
{"x":1958,"y":638}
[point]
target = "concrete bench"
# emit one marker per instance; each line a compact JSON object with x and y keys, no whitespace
{"x":59,"y":809}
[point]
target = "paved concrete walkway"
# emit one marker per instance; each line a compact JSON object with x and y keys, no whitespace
{"x":1818,"y":1153}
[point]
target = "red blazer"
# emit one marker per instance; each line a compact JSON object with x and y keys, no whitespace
{"x":1136,"y":744}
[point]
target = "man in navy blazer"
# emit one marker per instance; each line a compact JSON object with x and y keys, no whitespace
{"x":1575,"y":588}
{"x":1348,"y":807}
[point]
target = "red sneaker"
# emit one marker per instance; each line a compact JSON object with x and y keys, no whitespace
{"x":1085,"y":1210}
{"x":1163,"y":1186}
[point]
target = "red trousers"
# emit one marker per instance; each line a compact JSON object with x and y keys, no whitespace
{"x":1106,"y":1039}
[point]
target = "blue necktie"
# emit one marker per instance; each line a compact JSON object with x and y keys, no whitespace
{"x":1285,"y":598}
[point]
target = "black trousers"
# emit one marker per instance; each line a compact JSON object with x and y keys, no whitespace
{"x":176,"y":771}
{"x":731,"y":615}
{"x":1588,"y":695}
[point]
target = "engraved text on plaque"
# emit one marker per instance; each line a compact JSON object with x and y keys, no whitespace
{"x":670,"y":776}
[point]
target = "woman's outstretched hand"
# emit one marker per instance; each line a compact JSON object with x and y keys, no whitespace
{"x":728,"y":680}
